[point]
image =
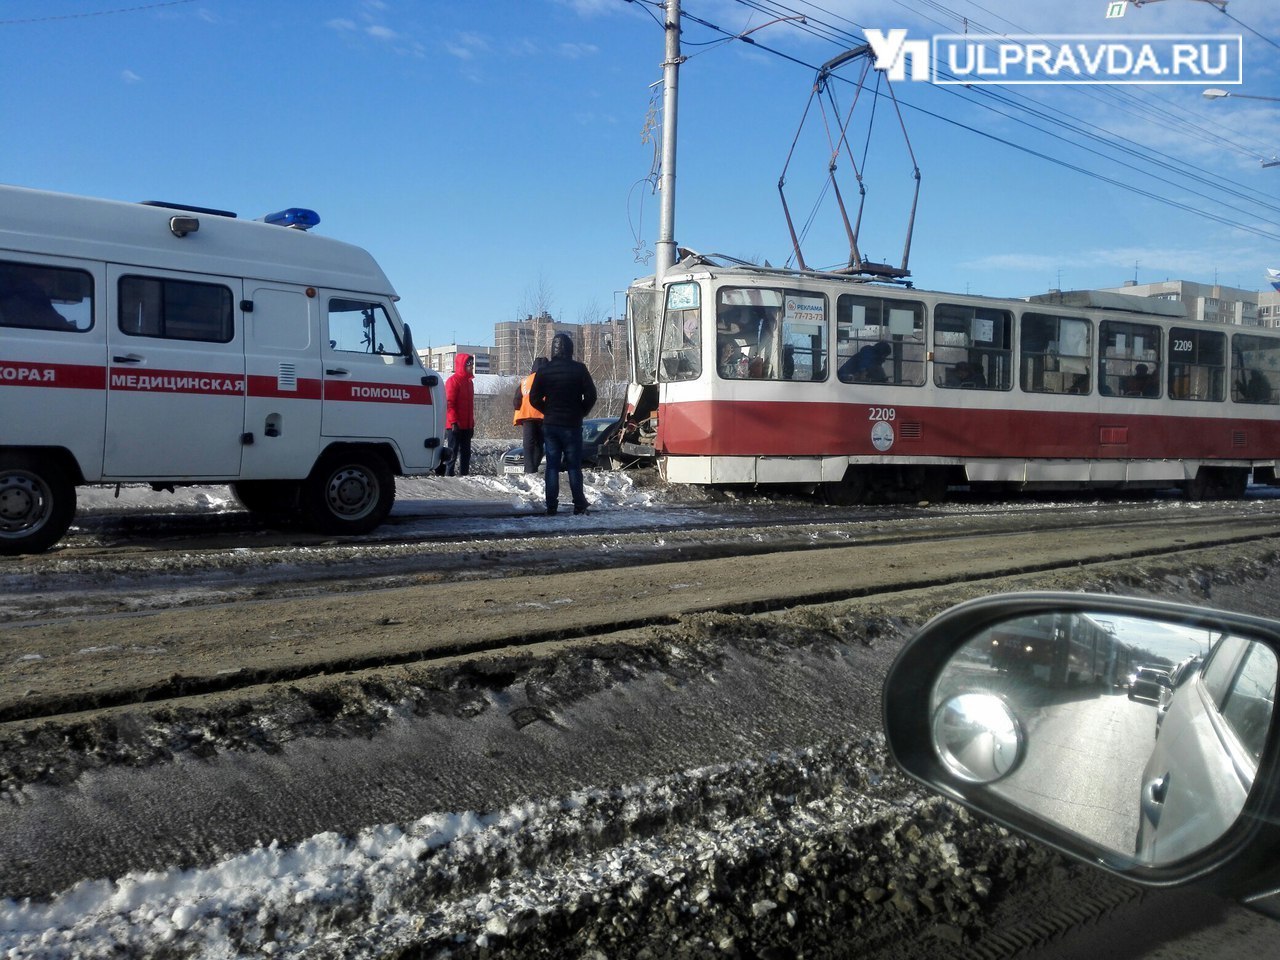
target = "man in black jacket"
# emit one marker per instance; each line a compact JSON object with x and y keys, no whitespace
{"x":565,"y":393}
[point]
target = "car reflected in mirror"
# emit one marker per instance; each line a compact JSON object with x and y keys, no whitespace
{"x":1129,"y":733}
{"x":1093,"y":763}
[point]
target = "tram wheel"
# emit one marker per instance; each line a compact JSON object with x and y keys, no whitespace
{"x":931,"y":484}
{"x":1217,"y":483}
{"x":849,"y":492}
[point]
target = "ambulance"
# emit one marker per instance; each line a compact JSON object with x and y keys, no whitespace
{"x":169,"y":344}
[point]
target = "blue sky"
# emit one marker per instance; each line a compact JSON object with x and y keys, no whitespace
{"x":490,"y":154}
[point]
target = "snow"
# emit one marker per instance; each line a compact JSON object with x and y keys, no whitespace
{"x":294,"y":901}
{"x":486,"y":501}
{"x":360,"y":895}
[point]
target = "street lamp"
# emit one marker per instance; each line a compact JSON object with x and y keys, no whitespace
{"x":1215,"y":93}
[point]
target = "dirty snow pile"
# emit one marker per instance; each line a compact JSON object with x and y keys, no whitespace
{"x":790,"y":850}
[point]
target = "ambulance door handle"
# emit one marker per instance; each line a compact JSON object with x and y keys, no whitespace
{"x":131,"y":358}
{"x":336,"y":372}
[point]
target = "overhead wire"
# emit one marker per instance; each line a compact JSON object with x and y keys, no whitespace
{"x":1118,"y":96}
{"x":816,"y":27}
{"x":1250,"y":29}
{"x":94,"y":13}
{"x":775,"y":8}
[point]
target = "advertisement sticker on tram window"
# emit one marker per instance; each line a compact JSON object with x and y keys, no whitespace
{"x":682,"y":296}
{"x":882,"y":435}
{"x":804,"y":310}
{"x":984,"y":331}
{"x":902,"y":323}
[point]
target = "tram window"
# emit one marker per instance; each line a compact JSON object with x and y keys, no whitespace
{"x":879,"y":340}
{"x":765,"y":333}
{"x":972,"y":347}
{"x":1255,"y":370}
{"x":682,"y":333}
{"x":1197,"y":364}
{"x":804,"y":336}
{"x":1057,"y":354}
{"x":1129,"y":362}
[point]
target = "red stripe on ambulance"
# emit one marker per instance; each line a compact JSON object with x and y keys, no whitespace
{"x":178,"y":381}
{"x":70,"y":376}
{"x":376,"y":393}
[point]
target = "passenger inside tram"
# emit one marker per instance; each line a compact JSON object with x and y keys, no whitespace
{"x":967,"y":376}
{"x":733,"y":362}
{"x":1142,"y":383}
{"x":1257,"y":388}
{"x":867,"y":365}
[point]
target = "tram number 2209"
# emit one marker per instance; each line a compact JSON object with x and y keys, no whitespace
{"x":881,"y":413}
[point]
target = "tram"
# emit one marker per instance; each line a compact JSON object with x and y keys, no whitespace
{"x":1061,"y":650}
{"x":750,"y":375}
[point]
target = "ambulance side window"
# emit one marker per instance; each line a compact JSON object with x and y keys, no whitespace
{"x":361,"y":326}
{"x":176,"y":309}
{"x":45,"y":298}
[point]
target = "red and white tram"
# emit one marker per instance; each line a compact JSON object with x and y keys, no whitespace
{"x":756,"y":375}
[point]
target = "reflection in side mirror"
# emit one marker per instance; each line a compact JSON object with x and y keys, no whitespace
{"x":1140,"y":735}
{"x":978,"y":737}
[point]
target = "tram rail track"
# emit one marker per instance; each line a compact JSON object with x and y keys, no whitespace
{"x":157,"y":575}
{"x":162,"y":654}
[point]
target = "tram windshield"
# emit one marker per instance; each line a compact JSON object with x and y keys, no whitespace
{"x":642,"y":317}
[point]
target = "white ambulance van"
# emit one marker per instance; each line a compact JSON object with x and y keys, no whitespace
{"x":172,"y":345}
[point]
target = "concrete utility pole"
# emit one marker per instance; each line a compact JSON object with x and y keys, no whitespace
{"x":666,"y":245}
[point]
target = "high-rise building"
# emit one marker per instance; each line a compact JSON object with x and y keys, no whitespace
{"x":1269,"y":308}
{"x":441,"y":358}
{"x":601,"y":346}
{"x":1211,"y":302}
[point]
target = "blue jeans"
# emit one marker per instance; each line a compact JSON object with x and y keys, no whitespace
{"x":564,"y":445}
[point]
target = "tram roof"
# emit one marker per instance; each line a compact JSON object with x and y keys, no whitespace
{"x":722,"y":264}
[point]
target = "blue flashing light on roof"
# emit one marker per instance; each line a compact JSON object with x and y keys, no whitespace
{"x":297,"y":217}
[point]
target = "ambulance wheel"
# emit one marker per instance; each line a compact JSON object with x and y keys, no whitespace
{"x":348,"y":492}
{"x":268,"y":499}
{"x":37,"y":502}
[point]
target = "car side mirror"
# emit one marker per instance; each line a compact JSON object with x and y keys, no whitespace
{"x":1015,"y":706}
{"x":410,"y":352}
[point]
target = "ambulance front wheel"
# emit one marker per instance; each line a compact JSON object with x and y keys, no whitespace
{"x":37,"y":502}
{"x":349,"y":492}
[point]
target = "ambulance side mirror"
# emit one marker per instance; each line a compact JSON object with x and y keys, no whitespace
{"x":410,"y":354}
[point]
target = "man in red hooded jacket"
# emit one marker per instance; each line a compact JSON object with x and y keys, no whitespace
{"x":460,"y":413}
